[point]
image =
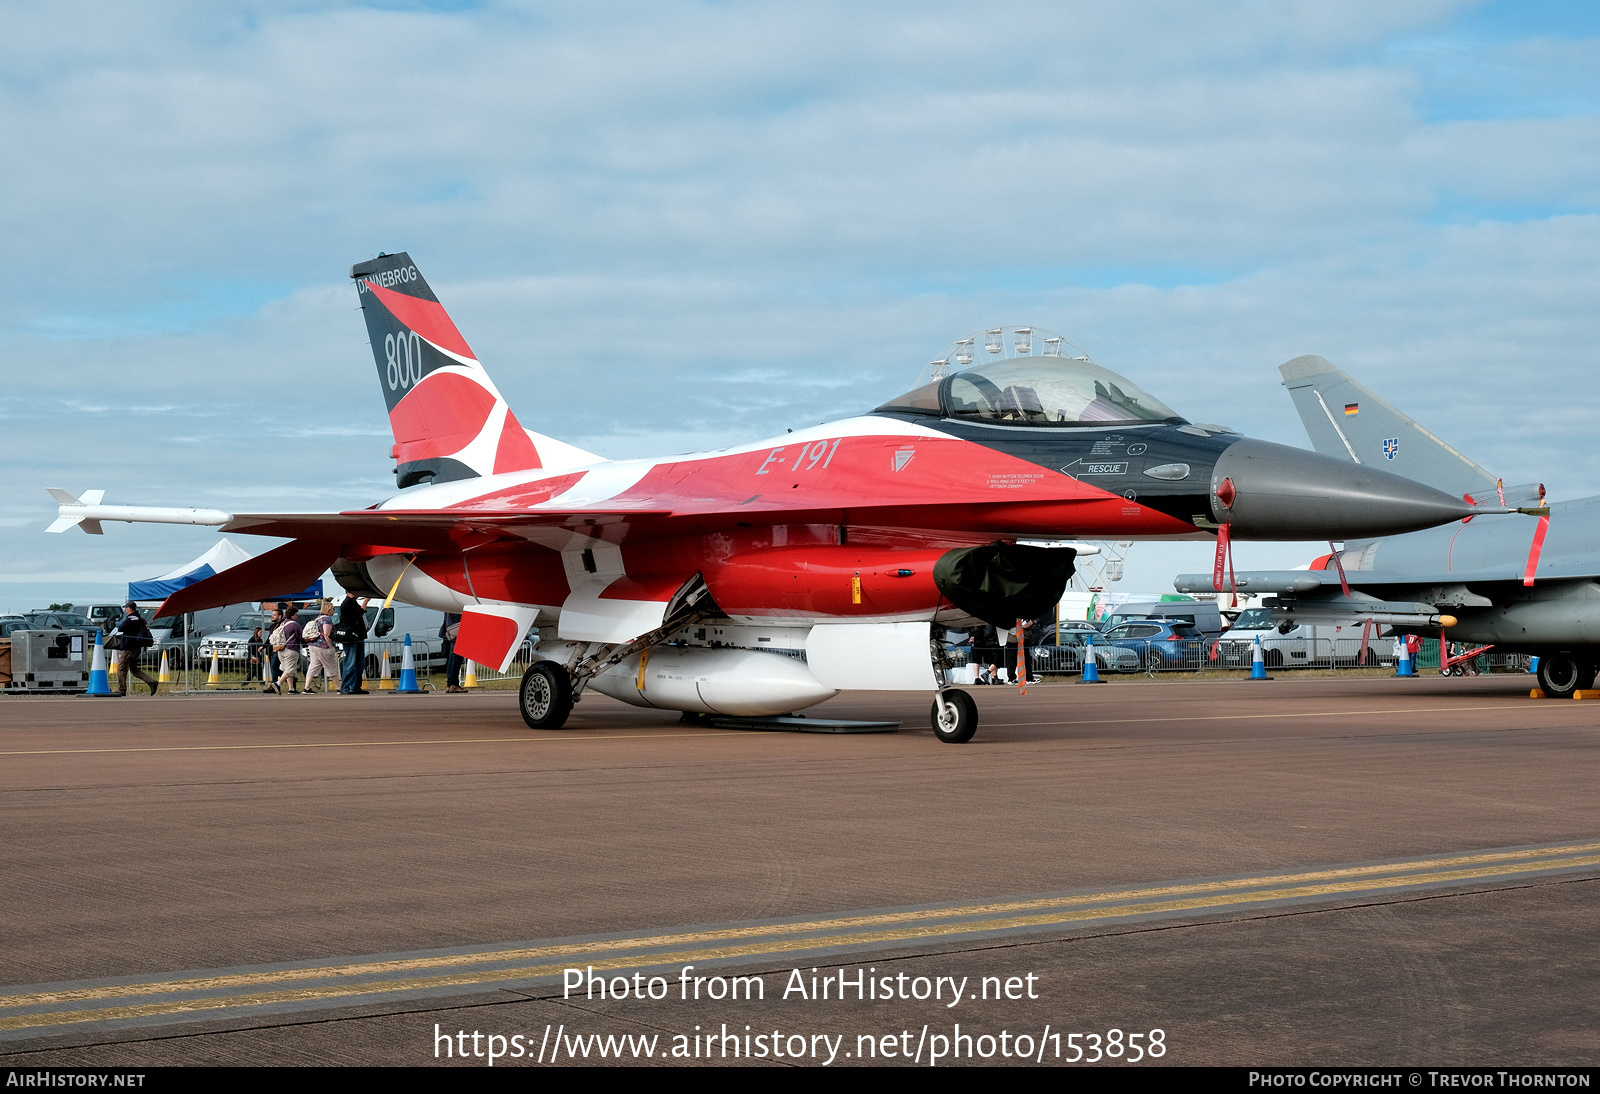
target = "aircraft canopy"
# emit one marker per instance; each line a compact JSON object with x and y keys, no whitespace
{"x":1032,"y":391}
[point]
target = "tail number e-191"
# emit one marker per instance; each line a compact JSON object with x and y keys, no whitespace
{"x":815,"y":451}
{"x":403,"y":352}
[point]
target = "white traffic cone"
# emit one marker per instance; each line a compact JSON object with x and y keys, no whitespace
{"x":408,"y":671}
{"x":99,"y":681}
{"x":1258,"y":663}
{"x":1091,"y":670}
{"x":1403,"y":666}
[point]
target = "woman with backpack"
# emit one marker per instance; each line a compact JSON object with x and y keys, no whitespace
{"x":318,"y":639}
{"x":286,"y":643}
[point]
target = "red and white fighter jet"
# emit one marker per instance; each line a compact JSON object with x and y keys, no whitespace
{"x":764,"y":578}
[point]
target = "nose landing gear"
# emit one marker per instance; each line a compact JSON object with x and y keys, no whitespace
{"x":954,"y":717}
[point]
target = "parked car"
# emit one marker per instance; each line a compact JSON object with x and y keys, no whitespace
{"x":1066,"y":659}
{"x":1306,"y":644}
{"x":58,"y":621}
{"x":1203,"y":614}
{"x":1161,"y":645}
{"x":1078,"y":627}
{"x":232,"y":642}
{"x":172,"y":637}
{"x":102,"y":614}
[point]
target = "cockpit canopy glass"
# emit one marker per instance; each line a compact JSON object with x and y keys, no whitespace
{"x":1048,"y":391}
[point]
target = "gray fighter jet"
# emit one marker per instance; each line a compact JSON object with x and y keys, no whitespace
{"x":1518,"y":585}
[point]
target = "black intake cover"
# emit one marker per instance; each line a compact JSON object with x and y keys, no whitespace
{"x":1001,"y":583}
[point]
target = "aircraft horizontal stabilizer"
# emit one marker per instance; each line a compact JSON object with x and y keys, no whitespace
{"x":281,"y":570}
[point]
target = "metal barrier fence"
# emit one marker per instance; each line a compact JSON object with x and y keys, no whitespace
{"x":189,"y":669}
{"x":1224,"y":654}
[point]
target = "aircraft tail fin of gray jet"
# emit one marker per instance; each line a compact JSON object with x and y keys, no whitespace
{"x":1346,"y":420}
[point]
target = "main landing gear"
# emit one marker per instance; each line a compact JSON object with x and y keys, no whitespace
{"x":1561,"y":674}
{"x":955,"y":717}
{"x":545,"y":698}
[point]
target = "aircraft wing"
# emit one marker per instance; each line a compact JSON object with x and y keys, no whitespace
{"x":420,"y":529}
{"x":438,"y":529}
{"x":428,"y":528}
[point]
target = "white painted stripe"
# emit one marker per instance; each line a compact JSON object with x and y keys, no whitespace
{"x":608,"y":479}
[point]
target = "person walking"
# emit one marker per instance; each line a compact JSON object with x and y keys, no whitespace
{"x":257,"y":650}
{"x":133,"y":639}
{"x":452,"y":663}
{"x":987,"y":649}
{"x":317,"y":637}
{"x":351,"y":633}
{"x":286,"y":642}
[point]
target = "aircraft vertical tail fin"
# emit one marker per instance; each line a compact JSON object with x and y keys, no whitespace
{"x":1346,"y":420}
{"x":449,"y":420}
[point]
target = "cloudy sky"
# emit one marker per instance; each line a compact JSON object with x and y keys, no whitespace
{"x":665,"y":226}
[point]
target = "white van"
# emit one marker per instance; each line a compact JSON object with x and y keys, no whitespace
{"x":1324,"y":644}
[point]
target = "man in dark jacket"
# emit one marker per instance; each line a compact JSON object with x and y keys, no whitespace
{"x":258,"y":650}
{"x":452,"y":663}
{"x":351,"y":633}
{"x":136,"y":637}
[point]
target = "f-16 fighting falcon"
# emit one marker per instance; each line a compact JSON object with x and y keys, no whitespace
{"x":765,"y":578}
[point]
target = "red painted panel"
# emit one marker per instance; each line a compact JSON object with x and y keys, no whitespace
{"x":486,"y":639}
{"x":820,"y":581}
{"x":518,"y":573}
{"x":427,"y":317}
{"x":440,"y":416}
{"x":516,"y":451}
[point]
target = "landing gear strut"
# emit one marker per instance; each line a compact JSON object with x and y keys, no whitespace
{"x":955,"y":717}
{"x":545,"y":698}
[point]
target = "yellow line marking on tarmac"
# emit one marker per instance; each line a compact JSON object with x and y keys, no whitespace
{"x":782,"y":938}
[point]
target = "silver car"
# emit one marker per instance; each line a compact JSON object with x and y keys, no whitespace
{"x":1067,"y":658}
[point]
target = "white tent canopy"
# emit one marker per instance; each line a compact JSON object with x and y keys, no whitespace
{"x":223,"y":554}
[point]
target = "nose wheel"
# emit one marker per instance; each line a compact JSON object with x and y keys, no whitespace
{"x":545,"y":698}
{"x":955,"y":717}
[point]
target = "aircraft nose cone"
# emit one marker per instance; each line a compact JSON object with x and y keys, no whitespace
{"x":1272,"y":491}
